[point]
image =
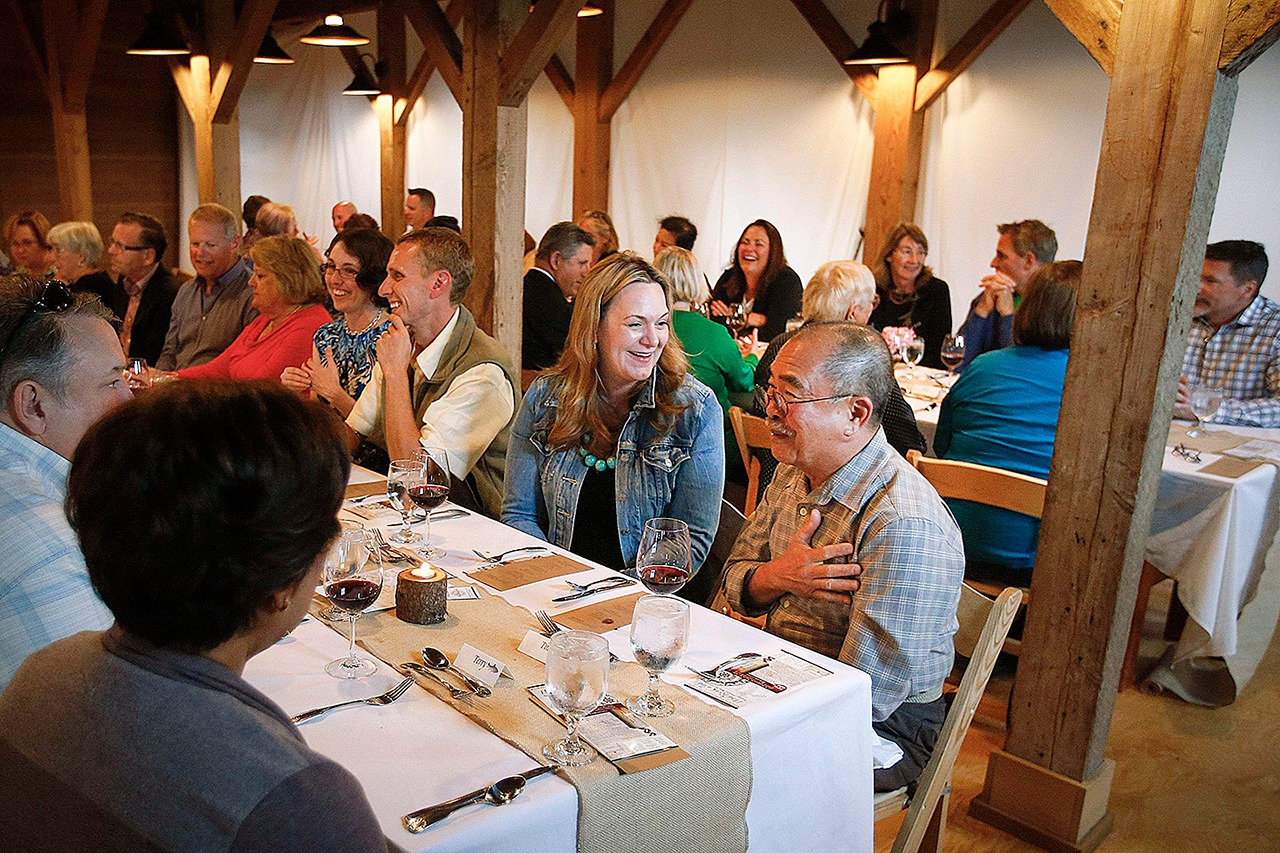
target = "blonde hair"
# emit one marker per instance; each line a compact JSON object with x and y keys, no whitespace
{"x":80,"y":238}
{"x":602,"y":223}
{"x":681,"y":269}
{"x":216,"y":214}
{"x":579,"y":409}
{"x":275,"y":219}
{"x":294,"y":265}
{"x":836,"y":287}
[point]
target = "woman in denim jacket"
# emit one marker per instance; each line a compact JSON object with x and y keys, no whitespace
{"x":619,"y":431}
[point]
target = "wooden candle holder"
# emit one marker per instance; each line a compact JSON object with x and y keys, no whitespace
{"x":421,"y":595}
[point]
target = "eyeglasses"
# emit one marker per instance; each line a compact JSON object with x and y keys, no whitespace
{"x":772,"y":396}
{"x":55,"y":299}
{"x":347,"y":271}
{"x":116,"y":244}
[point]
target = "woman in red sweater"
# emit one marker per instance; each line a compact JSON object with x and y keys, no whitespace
{"x":287,"y":291}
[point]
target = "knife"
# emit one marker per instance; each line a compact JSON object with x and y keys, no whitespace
{"x":576,"y":595}
{"x":744,"y":672}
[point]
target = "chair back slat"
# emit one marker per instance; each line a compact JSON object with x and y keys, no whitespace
{"x":982,"y":484}
{"x":751,"y":432}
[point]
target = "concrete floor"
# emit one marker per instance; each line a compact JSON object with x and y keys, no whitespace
{"x":1187,"y":778}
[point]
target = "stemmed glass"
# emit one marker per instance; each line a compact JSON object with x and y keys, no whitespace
{"x":1205,"y":400}
{"x":137,"y":370}
{"x":737,"y":318}
{"x":428,"y":488}
{"x":577,"y":678}
{"x":659,"y":634}
{"x":400,"y":477}
{"x":952,"y":351}
{"x":352,"y":581}
{"x":664,"y":562}
{"x":912,"y":354}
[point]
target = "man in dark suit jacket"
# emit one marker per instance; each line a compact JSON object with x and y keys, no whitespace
{"x":143,"y":291}
{"x":560,"y":265}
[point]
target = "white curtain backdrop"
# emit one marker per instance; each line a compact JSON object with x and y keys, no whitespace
{"x":744,"y":114}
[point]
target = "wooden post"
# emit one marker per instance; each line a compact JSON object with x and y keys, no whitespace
{"x":392,"y":135}
{"x":591,"y":130}
{"x":1168,"y":115}
{"x":71,"y":145}
{"x":494,"y":139}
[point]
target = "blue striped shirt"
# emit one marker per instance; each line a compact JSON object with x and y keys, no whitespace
{"x":45,"y":593}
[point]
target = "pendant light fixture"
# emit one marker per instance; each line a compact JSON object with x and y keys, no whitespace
{"x":160,"y":37}
{"x":892,"y":27}
{"x":590,"y":10}
{"x":365,"y":83}
{"x":334,"y":33}
{"x":270,"y":53}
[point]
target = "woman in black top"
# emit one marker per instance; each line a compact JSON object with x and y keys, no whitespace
{"x":910,"y":294}
{"x":759,"y":276}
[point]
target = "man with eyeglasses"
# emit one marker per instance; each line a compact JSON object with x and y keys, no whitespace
{"x":851,"y":552}
{"x":213,"y":308}
{"x":143,"y":291}
{"x":61,"y":368}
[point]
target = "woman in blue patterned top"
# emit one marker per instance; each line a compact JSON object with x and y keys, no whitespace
{"x":345,"y":348}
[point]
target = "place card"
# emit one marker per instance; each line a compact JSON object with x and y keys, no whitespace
{"x":628,"y":748}
{"x":535,"y":645}
{"x":783,"y":668}
{"x":485,"y":668}
{"x":463,"y":593}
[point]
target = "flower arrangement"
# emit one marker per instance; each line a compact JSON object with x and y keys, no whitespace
{"x":898,"y":337}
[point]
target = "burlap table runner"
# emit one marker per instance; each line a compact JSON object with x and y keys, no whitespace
{"x":698,"y":804}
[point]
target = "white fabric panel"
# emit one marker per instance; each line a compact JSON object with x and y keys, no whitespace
{"x":433,"y":155}
{"x":548,"y":194}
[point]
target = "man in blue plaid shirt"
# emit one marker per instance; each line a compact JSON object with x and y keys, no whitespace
{"x":1235,"y":338}
{"x":851,"y":552}
{"x":61,"y":368}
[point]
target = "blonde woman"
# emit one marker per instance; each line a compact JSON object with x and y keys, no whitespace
{"x":598,"y":224}
{"x":79,"y":258}
{"x":618,"y":431}
{"x":910,"y":294}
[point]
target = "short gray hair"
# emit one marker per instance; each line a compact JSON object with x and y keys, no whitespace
{"x":681,"y":270}
{"x":80,"y":238}
{"x":211,"y":213}
{"x":565,"y":238}
{"x":37,"y":348}
{"x":835,"y":288}
{"x":857,"y":361}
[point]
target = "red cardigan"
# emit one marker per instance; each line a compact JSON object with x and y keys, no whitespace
{"x":249,"y":358}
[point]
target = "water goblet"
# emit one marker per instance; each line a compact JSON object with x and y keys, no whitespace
{"x":400,"y":477}
{"x":1205,"y":400}
{"x":352,"y":581}
{"x":913,"y":352}
{"x":659,"y":634}
{"x":665,"y":559}
{"x":577,"y":679}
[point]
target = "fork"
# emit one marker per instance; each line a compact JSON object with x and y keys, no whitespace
{"x":498,"y":557}
{"x":583,"y":587}
{"x":550,"y":628}
{"x":391,"y":555}
{"x":385,"y":699}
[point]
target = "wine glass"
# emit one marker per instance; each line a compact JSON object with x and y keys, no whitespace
{"x":137,"y":370}
{"x":664,"y":562}
{"x":736,"y":320}
{"x":1205,"y":400}
{"x":400,"y":476}
{"x":913,"y":352}
{"x":577,"y":678}
{"x":659,"y":634}
{"x":428,"y":488}
{"x":352,"y":581}
{"x":952,"y":351}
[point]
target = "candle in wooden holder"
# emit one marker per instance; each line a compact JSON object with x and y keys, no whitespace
{"x":421,"y":595}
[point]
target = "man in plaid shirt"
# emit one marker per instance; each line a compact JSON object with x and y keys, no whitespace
{"x":851,"y":552}
{"x":1235,"y":338}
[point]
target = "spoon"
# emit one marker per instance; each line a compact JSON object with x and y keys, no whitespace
{"x":437,"y":659}
{"x":498,"y":794}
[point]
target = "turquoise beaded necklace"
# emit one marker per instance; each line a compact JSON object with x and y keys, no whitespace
{"x":593,"y":461}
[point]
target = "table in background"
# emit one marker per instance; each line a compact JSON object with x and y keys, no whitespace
{"x":810,"y":749}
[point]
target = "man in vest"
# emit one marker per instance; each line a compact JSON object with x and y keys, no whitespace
{"x":440,"y":381}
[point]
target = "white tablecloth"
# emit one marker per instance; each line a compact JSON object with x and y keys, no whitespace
{"x":810,"y":747}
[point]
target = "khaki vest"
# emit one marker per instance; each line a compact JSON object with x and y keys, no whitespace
{"x":468,"y":347}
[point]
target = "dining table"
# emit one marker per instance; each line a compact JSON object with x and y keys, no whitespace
{"x":810,"y":748}
{"x":1215,"y":529}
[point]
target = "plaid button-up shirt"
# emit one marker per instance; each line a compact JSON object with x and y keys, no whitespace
{"x":899,"y":627}
{"x":1243,"y":357}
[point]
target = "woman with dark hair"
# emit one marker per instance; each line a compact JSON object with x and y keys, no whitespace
{"x":147,"y":734}
{"x":758,"y":277}
{"x":910,"y":294}
{"x":1003,"y":412}
{"x":618,"y":431}
{"x":343,"y":358}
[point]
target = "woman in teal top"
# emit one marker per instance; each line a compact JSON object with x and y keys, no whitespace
{"x":1003,"y":412}
{"x":713,"y":354}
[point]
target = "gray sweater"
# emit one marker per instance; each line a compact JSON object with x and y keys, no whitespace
{"x":109,"y":743}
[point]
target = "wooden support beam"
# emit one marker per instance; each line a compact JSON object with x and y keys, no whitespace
{"x":494,"y":143}
{"x":391,"y":134}
{"x":1168,"y":116}
{"x":202,"y":120}
{"x":1094,"y":23}
{"x":532,"y":46}
{"x":424,"y":69}
{"x":1252,"y":27}
{"x":71,"y":147}
{"x":560,"y":79}
{"x":439,"y":41}
{"x":664,"y":23}
{"x":591,"y":122}
{"x":967,"y":49}
{"x":839,"y":43}
{"x":78,"y":68}
{"x":233,"y":72}
{"x":35,"y":58}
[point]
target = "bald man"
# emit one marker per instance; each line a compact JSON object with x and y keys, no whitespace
{"x":342,"y":211}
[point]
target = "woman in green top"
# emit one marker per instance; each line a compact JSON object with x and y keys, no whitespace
{"x":713,"y":354}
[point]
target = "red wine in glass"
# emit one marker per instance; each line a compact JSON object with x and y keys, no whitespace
{"x":951,"y":359}
{"x":352,"y":594}
{"x":428,"y":496}
{"x":664,"y":580}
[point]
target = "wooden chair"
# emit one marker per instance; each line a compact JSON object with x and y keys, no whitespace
{"x":706,"y":582}
{"x":985,"y":485}
{"x":752,"y":432}
{"x":984,"y":626}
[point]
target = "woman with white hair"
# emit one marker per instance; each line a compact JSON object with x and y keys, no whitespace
{"x":79,"y":257}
